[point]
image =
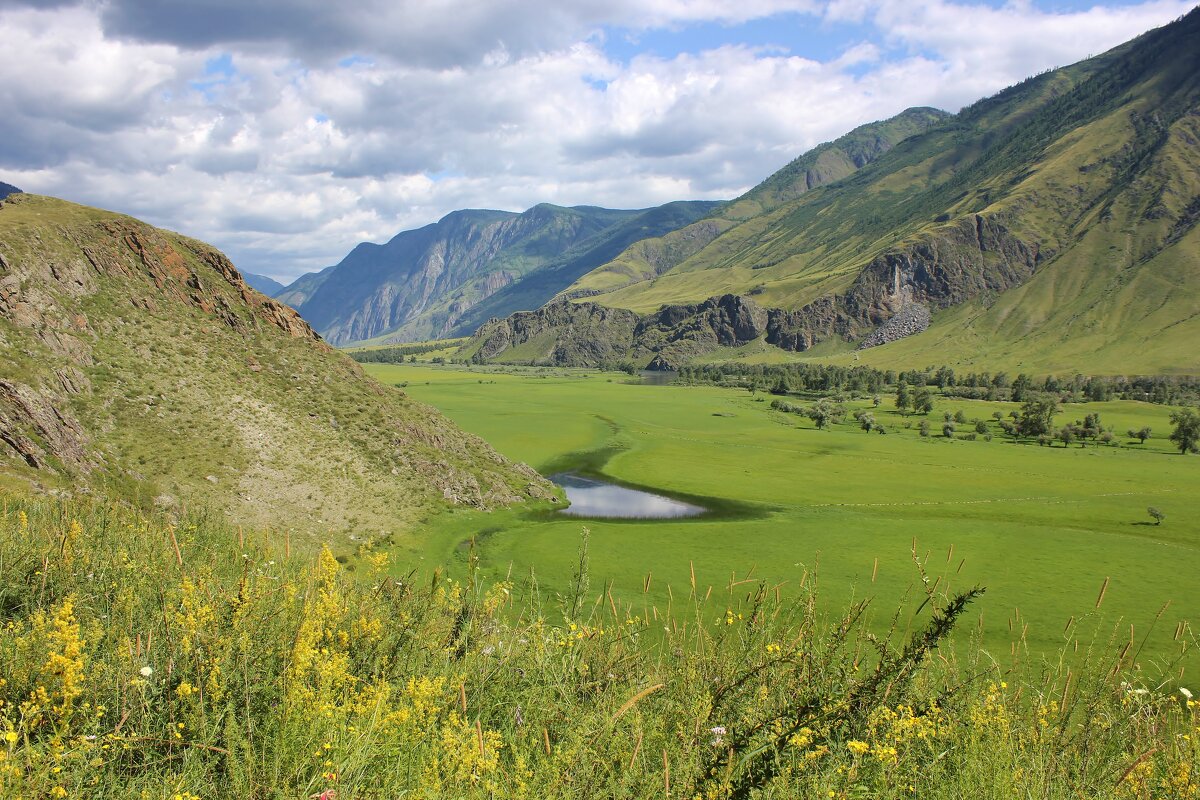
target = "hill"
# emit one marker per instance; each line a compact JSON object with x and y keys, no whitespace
{"x":138,"y":362}
{"x":1050,"y":227}
{"x":430,"y":283}
{"x":6,"y":189}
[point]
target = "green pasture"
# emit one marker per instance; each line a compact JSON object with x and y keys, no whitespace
{"x":1042,"y":528}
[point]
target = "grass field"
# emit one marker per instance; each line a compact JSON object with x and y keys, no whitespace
{"x":1042,"y":528}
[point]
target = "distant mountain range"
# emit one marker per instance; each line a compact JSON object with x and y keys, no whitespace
{"x":1050,"y":227}
{"x":446,"y":278}
{"x":267,"y":285}
{"x":6,"y":189}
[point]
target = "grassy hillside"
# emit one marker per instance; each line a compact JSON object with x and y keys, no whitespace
{"x":1051,"y":226}
{"x":137,"y":362}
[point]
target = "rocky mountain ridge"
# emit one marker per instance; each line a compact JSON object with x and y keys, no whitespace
{"x":444,"y":279}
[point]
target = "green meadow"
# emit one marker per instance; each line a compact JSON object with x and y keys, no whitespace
{"x":1042,"y":528}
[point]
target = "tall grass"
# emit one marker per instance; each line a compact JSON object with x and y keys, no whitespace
{"x":197,"y":661}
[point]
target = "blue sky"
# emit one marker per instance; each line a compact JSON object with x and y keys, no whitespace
{"x":287,"y":131}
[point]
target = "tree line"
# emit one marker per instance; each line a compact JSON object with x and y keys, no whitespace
{"x":783,"y":379}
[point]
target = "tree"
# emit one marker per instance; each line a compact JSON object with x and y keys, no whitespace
{"x":922,"y":401}
{"x":824,"y":412}
{"x":981,"y":426}
{"x":866,"y":421}
{"x":1066,"y":435}
{"x":923,"y":428}
{"x":1037,"y":416}
{"x":1186,"y":435}
{"x":1142,"y":434}
{"x":1158,"y":515}
{"x":876,"y":400}
{"x":903,"y":398}
{"x":1019,"y":387}
{"x":960,"y":417}
{"x":948,"y":430}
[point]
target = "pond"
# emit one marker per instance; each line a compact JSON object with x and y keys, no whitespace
{"x":658,"y":377}
{"x":590,"y":497}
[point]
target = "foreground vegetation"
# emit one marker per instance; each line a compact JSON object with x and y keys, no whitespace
{"x":143,"y":659}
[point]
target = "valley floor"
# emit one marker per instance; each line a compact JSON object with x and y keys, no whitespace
{"x":1042,"y":528}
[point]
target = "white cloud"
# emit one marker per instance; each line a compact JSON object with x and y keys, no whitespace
{"x":295,"y":156}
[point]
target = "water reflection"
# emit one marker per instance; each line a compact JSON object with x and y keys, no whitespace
{"x":594,"y":498}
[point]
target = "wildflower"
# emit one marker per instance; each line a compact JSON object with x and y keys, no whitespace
{"x":856,"y":747}
{"x":718,"y":733}
{"x":146,"y":672}
{"x":773,"y":648}
{"x":1185,"y":692}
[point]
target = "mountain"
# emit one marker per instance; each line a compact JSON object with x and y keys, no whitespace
{"x":6,"y":189}
{"x":262,"y":283}
{"x":825,"y":163}
{"x":139,"y":362}
{"x":1050,"y":227}
{"x":298,"y":291}
{"x":533,"y":289}
{"x":425,"y":283}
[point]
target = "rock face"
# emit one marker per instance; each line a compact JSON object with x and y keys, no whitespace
{"x":951,"y":265}
{"x":136,"y":360}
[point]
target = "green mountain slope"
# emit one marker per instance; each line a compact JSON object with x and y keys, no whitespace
{"x":417,"y":285}
{"x":646,"y":260}
{"x":1051,"y":226}
{"x":138,"y":362}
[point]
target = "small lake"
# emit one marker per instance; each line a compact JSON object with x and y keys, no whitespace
{"x":595,"y":498}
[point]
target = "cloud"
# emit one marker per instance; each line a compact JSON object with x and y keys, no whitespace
{"x":286,"y":132}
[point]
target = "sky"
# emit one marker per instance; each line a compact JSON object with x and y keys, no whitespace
{"x":286,"y":131}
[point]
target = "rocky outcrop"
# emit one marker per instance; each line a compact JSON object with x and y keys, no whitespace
{"x":585,"y":334}
{"x":571,"y":334}
{"x":914,"y":318}
{"x":40,"y":432}
{"x":959,"y":261}
{"x":680,"y":332}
